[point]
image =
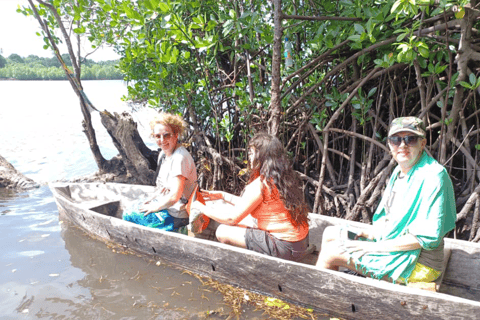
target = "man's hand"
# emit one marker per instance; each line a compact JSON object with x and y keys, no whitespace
{"x":364,"y":234}
{"x":358,"y":247}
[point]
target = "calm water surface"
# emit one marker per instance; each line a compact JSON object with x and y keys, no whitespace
{"x":49,"y":269}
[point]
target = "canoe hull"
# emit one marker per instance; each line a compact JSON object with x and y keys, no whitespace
{"x":334,"y":293}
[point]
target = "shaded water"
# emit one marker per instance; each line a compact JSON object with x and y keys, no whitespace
{"x":52,"y":270}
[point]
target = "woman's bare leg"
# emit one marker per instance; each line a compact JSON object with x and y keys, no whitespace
{"x":231,"y":235}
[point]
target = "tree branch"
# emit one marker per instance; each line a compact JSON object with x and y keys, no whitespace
{"x":322,"y":18}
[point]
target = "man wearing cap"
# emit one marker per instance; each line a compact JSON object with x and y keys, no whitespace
{"x":405,"y":243}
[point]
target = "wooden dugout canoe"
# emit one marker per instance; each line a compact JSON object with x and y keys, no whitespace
{"x":97,"y":208}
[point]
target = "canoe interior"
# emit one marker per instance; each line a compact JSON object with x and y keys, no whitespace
{"x":461,"y":279}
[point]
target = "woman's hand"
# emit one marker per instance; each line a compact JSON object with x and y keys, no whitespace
{"x":217,"y":195}
{"x":148,"y":208}
{"x":251,"y":198}
{"x":210,"y":196}
{"x":164,"y":198}
{"x":197,"y":206}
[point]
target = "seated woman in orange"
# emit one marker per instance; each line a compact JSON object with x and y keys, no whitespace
{"x":270,"y":216}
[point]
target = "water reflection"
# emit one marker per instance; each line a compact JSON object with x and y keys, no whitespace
{"x":53,"y":270}
{"x":7,"y":194}
{"x":119,"y":285}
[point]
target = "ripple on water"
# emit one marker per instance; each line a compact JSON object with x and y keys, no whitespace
{"x":32,"y":253}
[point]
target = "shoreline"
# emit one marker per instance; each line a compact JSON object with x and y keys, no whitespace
{"x":13,"y":79}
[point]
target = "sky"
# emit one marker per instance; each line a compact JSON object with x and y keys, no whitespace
{"x":18,"y":35}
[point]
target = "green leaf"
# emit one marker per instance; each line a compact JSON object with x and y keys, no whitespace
{"x":358,"y":28}
{"x":148,"y":4}
{"x":228,"y":27}
{"x":422,"y":62}
{"x":465,"y":85}
{"x":79,"y":30}
{"x":372,"y":92}
{"x":354,"y":37}
{"x":401,"y":37}
{"x":400,"y":57}
{"x":472,"y":79}
{"x":164,"y":7}
{"x":404,"y":47}
{"x":424,"y":52}
{"x":395,"y":6}
{"x":439,"y":69}
{"x":212,"y":24}
{"x":370,"y":26}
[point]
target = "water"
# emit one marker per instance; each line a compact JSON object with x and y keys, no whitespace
{"x":41,"y":126}
{"x":52,"y":270}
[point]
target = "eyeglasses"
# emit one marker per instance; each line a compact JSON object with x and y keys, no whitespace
{"x":164,"y":136}
{"x":397,"y":141}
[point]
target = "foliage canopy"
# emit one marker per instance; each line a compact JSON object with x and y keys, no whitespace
{"x":357,"y":65}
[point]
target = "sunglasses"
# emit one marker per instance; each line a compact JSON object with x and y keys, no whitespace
{"x":408,"y":140}
{"x":164,"y":136}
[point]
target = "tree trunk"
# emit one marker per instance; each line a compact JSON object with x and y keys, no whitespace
{"x":275,"y":102}
{"x":137,"y":161}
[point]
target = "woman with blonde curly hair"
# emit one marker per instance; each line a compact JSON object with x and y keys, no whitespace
{"x":270,"y":216}
{"x":176,"y":178}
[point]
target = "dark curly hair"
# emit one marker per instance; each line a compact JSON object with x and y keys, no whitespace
{"x":271,"y":163}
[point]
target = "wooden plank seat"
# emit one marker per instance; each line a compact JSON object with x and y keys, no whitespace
{"x":435,"y":285}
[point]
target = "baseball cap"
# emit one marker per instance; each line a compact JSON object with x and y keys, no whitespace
{"x":407,"y":124}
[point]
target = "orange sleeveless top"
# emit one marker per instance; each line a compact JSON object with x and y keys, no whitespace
{"x":272,"y":216}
